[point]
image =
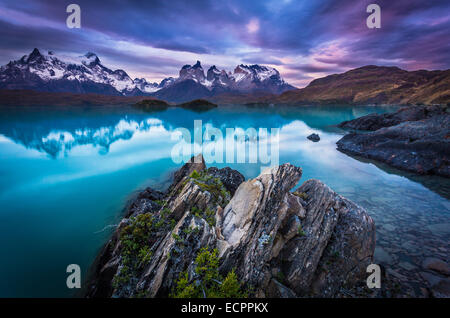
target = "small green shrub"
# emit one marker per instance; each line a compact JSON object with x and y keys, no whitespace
{"x":177,"y":238}
{"x":207,"y":281}
{"x":136,"y":235}
{"x":207,"y":264}
{"x":300,"y":231}
{"x":122,"y":278}
{"x":213,"y":185}
{"x":208,"y":215}
{"x":301,"y":195}
{"x":165,"y":213}
{"x":145,"y":255}
{"x":190,"y":230}
{"x":184,"y":289}
{"x":195,"y":175}
{"x":280,"y":277}
{"x":136,"y":242}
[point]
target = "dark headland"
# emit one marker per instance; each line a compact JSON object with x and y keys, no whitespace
{"x":415,"y":139}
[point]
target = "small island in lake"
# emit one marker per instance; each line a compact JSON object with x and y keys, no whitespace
{"x":151,"y":105}
{"x":198,"y":105}
{"x":415,"y":139}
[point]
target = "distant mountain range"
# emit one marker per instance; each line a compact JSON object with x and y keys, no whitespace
{"x":246,"y":84}
{"x":86,"y":74}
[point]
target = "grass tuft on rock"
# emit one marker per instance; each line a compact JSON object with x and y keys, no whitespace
{"x":213,"y":185}
{"x":206,"y":281}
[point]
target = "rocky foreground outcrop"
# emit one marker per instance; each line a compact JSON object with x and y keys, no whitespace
{"x":415,"y":139}
{"x":310,"y":242}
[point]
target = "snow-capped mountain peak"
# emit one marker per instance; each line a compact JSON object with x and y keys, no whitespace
{"x":144,"y":86}
{"x":51,"y":72}
{"x":90,"y":59}
{"x":213,"y":70}
{"x":35,"y":56}
{"x":166,"y":82}
{"x":194,"y":72}
{"x":86,"y":74}
{"x":217,"y":78}
{"x":254,"y":72}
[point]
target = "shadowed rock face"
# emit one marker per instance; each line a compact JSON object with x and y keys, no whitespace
{"x":317,"y":245}
{"x":196,"y":163}
{"x":251,"y":221}
{"x":312,"y":242}
{"x":230,"y":178}
{"x":420,"y":143}
{"x":350,"y":247}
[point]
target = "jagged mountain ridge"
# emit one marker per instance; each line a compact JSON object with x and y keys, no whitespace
{"x":86,"y":74}
{"x":192,"y":82}
{"x":244,"y":78}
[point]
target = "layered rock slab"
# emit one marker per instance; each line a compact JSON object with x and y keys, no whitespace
{"x":303,"y":247}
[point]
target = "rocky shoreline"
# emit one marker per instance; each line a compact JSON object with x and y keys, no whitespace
{"x":415,"y":139}
{"x":212,"y":234}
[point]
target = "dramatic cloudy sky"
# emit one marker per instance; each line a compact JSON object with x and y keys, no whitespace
{"x":302,"y":39}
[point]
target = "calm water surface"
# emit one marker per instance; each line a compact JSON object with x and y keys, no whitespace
{"x":65,"y":176}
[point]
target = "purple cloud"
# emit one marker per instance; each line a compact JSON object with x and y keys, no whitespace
{"x":303,"y":39}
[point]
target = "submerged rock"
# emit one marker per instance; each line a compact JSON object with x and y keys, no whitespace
{"x":439,"y":286}
{"x":312,"y":242}
{"x":420,"y":146}
{"x":314,"y":137}
{"x":437,"y":265}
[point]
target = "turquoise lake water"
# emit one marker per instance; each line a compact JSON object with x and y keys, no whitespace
{"x":66,"y":175}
